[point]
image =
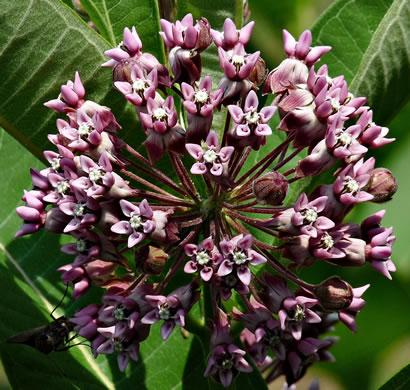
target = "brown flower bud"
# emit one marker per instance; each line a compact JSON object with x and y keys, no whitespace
{"x":259,"y":72}
{"x":205,"y":37}
{"x":150,"y":260}
{"x":122,"y":71}
{"x":271,"y":188}
{"x":382,"y":185}
{"x":334,"y":294}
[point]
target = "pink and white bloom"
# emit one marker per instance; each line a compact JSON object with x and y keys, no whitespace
{"x":236,"y":257}
{"x":210,"y":158}
{"x":140,"y":223}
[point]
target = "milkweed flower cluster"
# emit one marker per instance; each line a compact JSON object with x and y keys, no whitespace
{"x":232,"y":220}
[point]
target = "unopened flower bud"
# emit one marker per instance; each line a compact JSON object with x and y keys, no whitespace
{"x":271,"y":188}
{"x":204,"y":36}
{"x":259,"y":72}
{"x":334,"y":294}
{"x":150,"y":260}
{"x":382,"y":185}
{"x":122,"y":71}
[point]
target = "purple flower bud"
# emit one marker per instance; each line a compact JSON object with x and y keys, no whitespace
{"x":382,"y":185}
{"x":334,"y":294}
{"x":271,"y":188}
{"x":150,"y":260}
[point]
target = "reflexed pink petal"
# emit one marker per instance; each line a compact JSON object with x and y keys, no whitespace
{"x":198,"y":169}
{"x":122,"y":360}
{"x":244,"y":274}
{"x":166,"y":329}
{"x":225,"y":268}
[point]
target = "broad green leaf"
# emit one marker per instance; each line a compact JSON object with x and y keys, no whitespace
{"x":370,"y":47}
{"x":384,"y":72}
{"x":42,"y":44}
{"x":348,"y":26}
{"x":400,"y":381}
{"x":111,"y":16}
{"x":215,"y":12}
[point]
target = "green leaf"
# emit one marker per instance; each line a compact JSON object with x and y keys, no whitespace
{"x":384,"y":71}
{"x":111,"y":16}
{"x":370,"y":47}
{"x":42,"y":44}
{"x":215,"y":12}
{"x":400,"y":381}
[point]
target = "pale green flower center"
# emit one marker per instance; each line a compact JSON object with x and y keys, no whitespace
{"x":327,"y":241}
{"x":335,"y":104}
{"x":310,"y":215}
{"x":227,"y":364}
{"x":299,"y":314}
{"x":63,"y":187}
{"x":351,"y":185}
{"x":95,"y":174}
{"x":201,"y":97}
{"x":239,"y":258}
{"x":139,"y":85}
{"x":84,"y":129}
{"x":81,"y":245}
{"x":210,"y":156}
{"x":118,"y":347}
{"x":159,"y":114}
{"x":135,"y":221}
{"x":79,"y":210}
{"x":252,"y":117}
{"x":119,"y":313}
{"x":344,"y":138}
{"x":237,"y":60}
{"x":163,"y":312}
{"x":202,"y":258}
{"x":55,"y":164}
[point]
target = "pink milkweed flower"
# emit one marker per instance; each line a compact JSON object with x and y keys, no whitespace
{"x":100,"y":177}
{"x":171,"y":309}
{"x":119,"y":311}
{"x":83,"y":211}
{"x":307,"y":217}
{"x":379,"y":243}
{"x":62,"y":188}
{"x":140,"y":223}
{"x":351,"y":181}
{"x":236,"y":257}
{"x":126,"y":344}
{"x":162,"y":129}
{"x":231,"y":36}
{"x":293,"y":71}
{"x":86,"y":321}
{"x":71,"y":96}
{"x":372,"y":134}
{"x":85,"y":133}
{"x":210,"y":158}
{"x":86,"y":249}
{"x":301,"y":49}
{"x":251,"y":127}
{"x":204,"y":257}
{"x":77,"y":277}
{"x":200,"y":104}
{"x":226,"y":359}
{"x":128,"y":53}
{"x":348,"y":315}
{"x":343,"y":142}
{"x":262,"y":332}
{"x":185,"y":34}
{"x":140,"y":87}
{"x":33,"y":213}
{"x":237,"y":64}
{"x":64,"y":159}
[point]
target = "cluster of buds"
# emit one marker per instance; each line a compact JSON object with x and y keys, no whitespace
{"x":136,"y":229}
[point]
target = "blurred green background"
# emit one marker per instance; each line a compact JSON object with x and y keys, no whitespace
{"x":382,"y":346}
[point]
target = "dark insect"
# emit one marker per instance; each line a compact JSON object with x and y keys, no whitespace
{"x":53,"y":337}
